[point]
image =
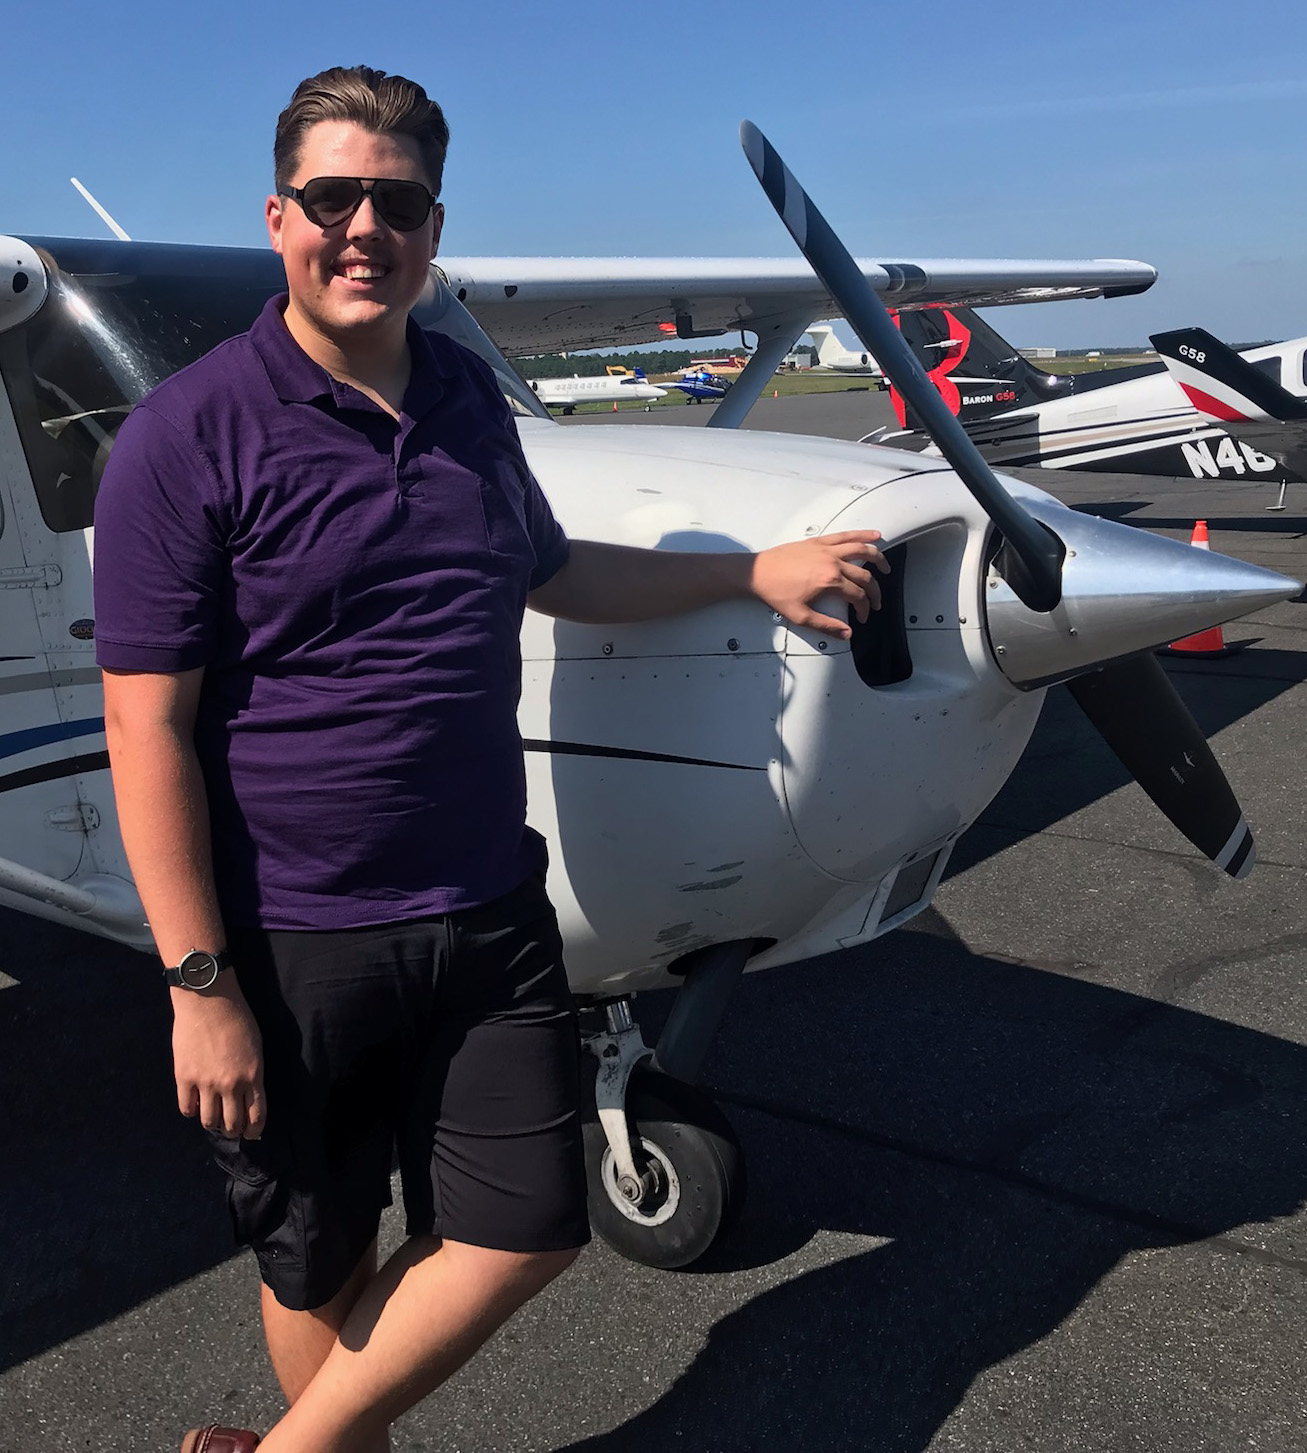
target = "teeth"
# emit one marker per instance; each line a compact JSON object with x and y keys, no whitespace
{"x":360,"y":273}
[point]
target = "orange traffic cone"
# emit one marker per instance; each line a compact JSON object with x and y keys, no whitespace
{"x":775,"y":393}
{"x":614,"y":406}
{"x":1209,"y":642}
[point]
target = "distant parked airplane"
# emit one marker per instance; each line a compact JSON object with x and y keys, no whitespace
{"x":566,"y":393}
{"x":1260,"y":404}
{"x":1134,"y":418}
{"x":833,"y":357}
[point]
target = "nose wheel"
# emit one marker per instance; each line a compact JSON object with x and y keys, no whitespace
{"x":689,"y":1182}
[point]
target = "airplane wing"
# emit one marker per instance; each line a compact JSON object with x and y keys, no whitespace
{"x":1223,"y":385}
{"x":532,"y":305}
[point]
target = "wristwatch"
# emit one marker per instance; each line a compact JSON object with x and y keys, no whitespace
{"x":198,"y":970}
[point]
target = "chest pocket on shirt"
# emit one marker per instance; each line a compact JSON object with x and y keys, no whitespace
{"x":499,"y":469}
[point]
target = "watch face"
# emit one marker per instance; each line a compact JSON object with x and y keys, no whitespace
{"x":198,"y":970}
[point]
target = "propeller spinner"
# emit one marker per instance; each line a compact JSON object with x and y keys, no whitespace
{"x":1131,"y":702}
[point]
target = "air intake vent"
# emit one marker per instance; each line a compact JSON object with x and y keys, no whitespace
{"x":880,"y":646}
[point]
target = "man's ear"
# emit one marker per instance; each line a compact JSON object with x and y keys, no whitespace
{"x":272,"y":215}
{"x":438,"y":224}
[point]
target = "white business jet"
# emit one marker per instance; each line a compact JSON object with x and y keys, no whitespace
{"x":611,"y":388}
{"x":720,"y":791}
{"x":833,"y":357}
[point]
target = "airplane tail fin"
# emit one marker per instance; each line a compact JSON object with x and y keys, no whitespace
{"x":978,"y":373}
{"x":828,"y":346}
{"x":1221,"y":383}
{"x":639,"y":373}
{"x":1254,"y":408}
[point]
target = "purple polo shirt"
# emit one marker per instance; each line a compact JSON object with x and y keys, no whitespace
{"x":354,"y":588}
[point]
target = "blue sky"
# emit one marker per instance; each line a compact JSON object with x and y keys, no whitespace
{"x":1171,"y":133}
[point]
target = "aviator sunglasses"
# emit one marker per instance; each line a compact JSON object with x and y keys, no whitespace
{"x":329,"y":201}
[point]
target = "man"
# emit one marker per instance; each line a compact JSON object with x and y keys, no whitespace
{"x":314,"y":547}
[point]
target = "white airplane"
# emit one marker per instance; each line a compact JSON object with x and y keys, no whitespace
{"x":1135,"y":418}
{"x":714,"y":787}
{"x":833,"y":357}
{"x":566,"y":393}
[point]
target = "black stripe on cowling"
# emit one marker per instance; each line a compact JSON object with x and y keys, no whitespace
{"x":52,"y":771}
{"x":584,"y":749}
{"x":1240,"y":854}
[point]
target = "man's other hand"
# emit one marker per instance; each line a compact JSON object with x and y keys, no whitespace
{"x":217,"y":1055}
{"x":790,"y":577}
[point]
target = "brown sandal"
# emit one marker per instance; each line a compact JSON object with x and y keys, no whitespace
{"x":214,"y":1439}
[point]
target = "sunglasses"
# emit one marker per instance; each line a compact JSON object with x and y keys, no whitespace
{"x":329,"y":201}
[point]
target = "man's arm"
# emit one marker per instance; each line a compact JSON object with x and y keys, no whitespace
{"x":605,"y":584}
{"x":164,"y":817}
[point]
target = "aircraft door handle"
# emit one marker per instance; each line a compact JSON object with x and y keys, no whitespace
{"x":31,"y":577}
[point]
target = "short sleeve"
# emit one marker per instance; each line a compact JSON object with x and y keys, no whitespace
{"x":160,"y":564}
{"x":548,"y":539}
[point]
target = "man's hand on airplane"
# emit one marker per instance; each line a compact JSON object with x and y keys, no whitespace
{"x":607,"y":584}
{"x":790,"y":577}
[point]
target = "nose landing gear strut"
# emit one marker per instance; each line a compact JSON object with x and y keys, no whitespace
{"x":665,"y":1169}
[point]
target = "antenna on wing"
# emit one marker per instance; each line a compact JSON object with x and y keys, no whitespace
{"x":104,"y":216}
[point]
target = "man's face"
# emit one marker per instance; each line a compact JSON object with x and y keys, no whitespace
{"x":358,"y":279}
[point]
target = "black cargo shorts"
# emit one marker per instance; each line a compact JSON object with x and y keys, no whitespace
{"x":448,"y":1043}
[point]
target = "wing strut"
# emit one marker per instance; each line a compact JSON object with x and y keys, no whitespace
{"x":775,"y":340}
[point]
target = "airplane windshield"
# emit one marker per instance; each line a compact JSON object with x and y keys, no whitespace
{"x":118,"y":319}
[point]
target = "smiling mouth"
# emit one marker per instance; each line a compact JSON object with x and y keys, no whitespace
{"x":362,"y":272}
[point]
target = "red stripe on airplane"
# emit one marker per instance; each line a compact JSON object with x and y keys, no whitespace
{"x":1213,"y":408}
{"x":895,"y":397}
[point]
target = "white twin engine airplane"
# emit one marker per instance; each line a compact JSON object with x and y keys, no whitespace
{"x":1133,"y":418}
{"x":720,"y":791}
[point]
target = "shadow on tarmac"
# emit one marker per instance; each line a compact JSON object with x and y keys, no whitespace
{"x":106,"y":1194}
{"x":1013,"y":1133}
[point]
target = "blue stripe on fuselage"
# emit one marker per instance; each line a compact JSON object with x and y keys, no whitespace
{"x":15,"y":742}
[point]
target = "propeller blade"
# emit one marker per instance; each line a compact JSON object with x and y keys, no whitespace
{"x":1031,"y":558}
{"x":1141,"y":717}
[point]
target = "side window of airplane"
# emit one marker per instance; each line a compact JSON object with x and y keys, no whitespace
{"x":100,"y":341}
{"x":67,"y":414}
{"x":1269,"y":366}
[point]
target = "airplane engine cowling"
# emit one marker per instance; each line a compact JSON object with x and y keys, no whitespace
{"x":718,"y":776}
{"x":893,"y":744}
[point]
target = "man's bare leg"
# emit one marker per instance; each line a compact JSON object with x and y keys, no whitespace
{"x":416,"y":1322}
{"x":299,"y":1342}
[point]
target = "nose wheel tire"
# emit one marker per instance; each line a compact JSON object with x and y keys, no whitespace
{"x":691,"y":1175}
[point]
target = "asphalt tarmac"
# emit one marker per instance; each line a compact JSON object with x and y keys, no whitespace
{"x":1026,"y":1175}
